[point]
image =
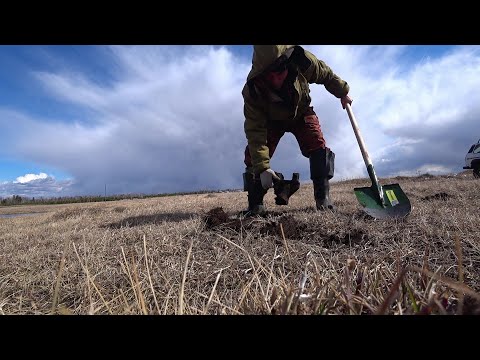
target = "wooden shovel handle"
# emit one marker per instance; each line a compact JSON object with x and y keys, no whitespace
{"x":368,"y":162}
{"x":356,"y":130}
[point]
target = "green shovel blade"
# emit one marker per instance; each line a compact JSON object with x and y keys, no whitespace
{"x":396,"y":203}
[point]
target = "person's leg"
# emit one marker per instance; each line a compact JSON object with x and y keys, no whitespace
{"x":251,"y":181}
{"x":313,"y":146}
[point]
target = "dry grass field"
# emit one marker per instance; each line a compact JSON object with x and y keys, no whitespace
{"x":191,"y":254}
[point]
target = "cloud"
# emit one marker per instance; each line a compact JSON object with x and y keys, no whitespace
{"x":413,"y":114}
{"x":36,"y":185}
{"x":30,"y":177}
{"x":171,"y":118}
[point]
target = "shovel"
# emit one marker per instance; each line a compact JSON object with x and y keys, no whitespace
{"x":380,"y":202}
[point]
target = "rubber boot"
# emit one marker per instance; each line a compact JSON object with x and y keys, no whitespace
{"x":256,"y":192}
{"x":322,"y":163}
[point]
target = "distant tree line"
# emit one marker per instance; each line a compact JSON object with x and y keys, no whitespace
{"x":23,"y":200}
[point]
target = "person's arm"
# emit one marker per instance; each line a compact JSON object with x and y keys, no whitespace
{"x":255,"y":127}
{"x":320,"y":73}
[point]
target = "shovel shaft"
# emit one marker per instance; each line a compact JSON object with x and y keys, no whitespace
{"x":356,"y":130}
{"x":366,"y":157}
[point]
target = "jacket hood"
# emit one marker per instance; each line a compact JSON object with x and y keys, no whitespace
{"x":266,"y":55}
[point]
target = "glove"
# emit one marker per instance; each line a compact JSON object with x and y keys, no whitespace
{"x":267,"y":177}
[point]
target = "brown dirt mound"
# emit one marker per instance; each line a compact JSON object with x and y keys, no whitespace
{"x":292,"y":229}
{"x":217,"y":217}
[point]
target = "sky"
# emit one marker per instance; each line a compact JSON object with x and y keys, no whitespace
{"x":75,"y":120}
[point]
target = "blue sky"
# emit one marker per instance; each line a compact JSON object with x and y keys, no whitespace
{"x":154,"y":119}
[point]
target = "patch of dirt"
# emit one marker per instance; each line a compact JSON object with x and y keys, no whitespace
{"x":217,"y":217}
{"x":440,"y":196}
{"x":292,"y":228}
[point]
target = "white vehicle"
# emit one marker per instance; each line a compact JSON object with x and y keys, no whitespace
{"x":472,"y":159}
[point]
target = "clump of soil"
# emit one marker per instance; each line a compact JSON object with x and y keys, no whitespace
{"x":218,"y":216}
{"x":440,"y":196}
{"x":292,"y":229}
